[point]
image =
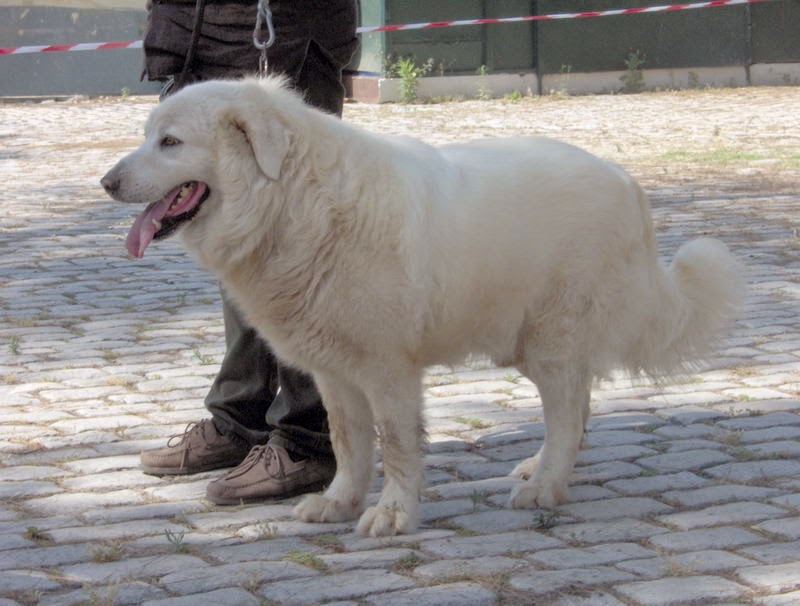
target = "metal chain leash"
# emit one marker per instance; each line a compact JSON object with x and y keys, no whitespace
{"x":263,"y":15}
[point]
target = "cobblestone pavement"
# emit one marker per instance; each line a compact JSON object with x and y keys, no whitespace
{"x":687,"y":493}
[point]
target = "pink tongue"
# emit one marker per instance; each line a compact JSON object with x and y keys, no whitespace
{"x":143,"y":230}
{"x":145,"y":227}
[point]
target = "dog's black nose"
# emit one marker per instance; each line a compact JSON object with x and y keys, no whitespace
{"x":110,"y":184}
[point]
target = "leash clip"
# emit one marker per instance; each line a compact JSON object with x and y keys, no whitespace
{"x":263,"y":15}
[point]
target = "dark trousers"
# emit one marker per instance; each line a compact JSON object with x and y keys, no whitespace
{"x":254,"y":395}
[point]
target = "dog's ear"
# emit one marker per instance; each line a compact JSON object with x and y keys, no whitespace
{"x":268,"y":139}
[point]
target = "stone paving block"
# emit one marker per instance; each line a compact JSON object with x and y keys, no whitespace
{"x":774,"y":553}
{"x":210,"y":578}
{"x":788,"y":500}
{"x":10,"y":542}
{"x":686,"y":432}
{"x":719,"y":494}
{"x":31,"y":472}
{"x":721,"y":537}
{"x":772,"y":406}
{"x":107,"y":515}
{"x":489,"y":545}
{"x":345,"y":585}
{"x":488,"y":566}
{"x":435,"y":510}
{"x":656,"y":484}
{"x":45,"y":557}
{"x":606,"y":403}
{"x":603,"y":472}
{"x":505,"y":452}
{"x":685,"y":460}
{"x":98,"y":423}
{"x":118,"y":594}
{"x":685,"y":399}
{"x":474,"y":387}
{"x":625,"y":421}
{"x":376,"y":558}
{"x":77,"y":502}
{"x":493,"y":521}
{"x":770,"y":434}
{"x":21,"y":525}
{"x":482,"y":470}
{"x":775,"y":577}
{"x":72,"y":395}
{"x":681,"y":590}
{"x":292,"y":528}
{"x":540,"y":582}
{"x":457,"y":490}
{"x":129,"y":568}
{"x":780,"y":448}
{"x":461,"y":405}
{"x":613,"y":509}
{"x":103,"y":464}
{"x":171,"y":490}
{"x":18,"y":581}
{"x":786,"y":599}
{"x":618,"y":437}
{"x":584,"y":598}
{"x":771,"y":419}
{"x":622,"y":530}
{"x":353,"y":541}
{"x":755,"y":470}
{"x":692,"y":444}
{"x":130,"y":478}
{"x":787,"y":527}
{"x":453,"y":594}
{"x":584,"y":557}
{"x":740,"y":512}
{"x":95,"y":439}
{"x":27,"y":489}
{"x":693,"y":409}
{"x":220,"y":597}
{"x":603,"y":454}
{"x":110,"y":532}
{"x":754,"y":393}
{"x":696,"y":562}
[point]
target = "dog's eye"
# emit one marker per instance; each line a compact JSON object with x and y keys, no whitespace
{"x":169,"y":141}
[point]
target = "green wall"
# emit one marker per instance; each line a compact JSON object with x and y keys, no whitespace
{"x":714,"y":37}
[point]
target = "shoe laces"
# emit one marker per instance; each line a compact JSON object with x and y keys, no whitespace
{"x":262,"y":453}
{"x":191,"y":427}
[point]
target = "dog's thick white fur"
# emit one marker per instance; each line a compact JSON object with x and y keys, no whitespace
{"x":364,"y":258}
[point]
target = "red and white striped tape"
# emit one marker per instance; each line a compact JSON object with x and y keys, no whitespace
{"x":18,"y":50}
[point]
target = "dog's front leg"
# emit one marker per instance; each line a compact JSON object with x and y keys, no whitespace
{"x":397,"y":407}
{"x":353,"y":439}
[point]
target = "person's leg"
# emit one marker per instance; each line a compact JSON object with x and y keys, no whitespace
{"x":246,"y":382}
{"x":254,"y":396}
{"x":298,"y":456}
{"x":297,"y":423}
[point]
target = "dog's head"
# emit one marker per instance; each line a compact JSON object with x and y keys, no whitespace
{"x":204,"y":146}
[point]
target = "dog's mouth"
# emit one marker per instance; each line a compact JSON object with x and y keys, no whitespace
{"x":161,"y":218}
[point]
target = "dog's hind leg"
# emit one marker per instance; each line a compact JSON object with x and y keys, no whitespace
{"x":353,"y":439}
{"x":565,"y":391}
{"x":397,"y":406}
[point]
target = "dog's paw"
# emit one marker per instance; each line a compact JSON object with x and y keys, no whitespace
{"x":381,"y":521}
{"x":525,"y":469}
{"x":537,"y":493}
{"x":319,"y":508}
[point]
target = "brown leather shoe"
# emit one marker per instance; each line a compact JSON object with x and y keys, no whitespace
{"x":269,"y":472}
{"x":200,"y":448}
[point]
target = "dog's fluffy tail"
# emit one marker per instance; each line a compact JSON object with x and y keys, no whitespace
{"x":694,"y":300}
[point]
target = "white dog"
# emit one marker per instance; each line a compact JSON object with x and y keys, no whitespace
{"x":364,"y":258}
